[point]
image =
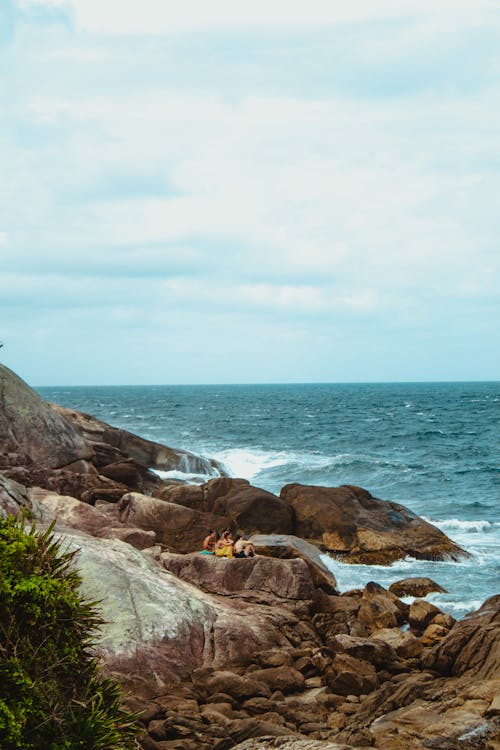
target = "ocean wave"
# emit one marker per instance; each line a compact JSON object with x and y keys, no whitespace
{"x":456,"y":524}
{"x":182,"y":476}
{"x":249,"y":462}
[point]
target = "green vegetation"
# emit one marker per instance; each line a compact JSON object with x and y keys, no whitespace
{"x":51,"y":693}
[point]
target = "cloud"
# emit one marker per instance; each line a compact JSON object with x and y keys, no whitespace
{"x":297,"y":180}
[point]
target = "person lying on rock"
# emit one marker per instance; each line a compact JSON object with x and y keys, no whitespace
{"x":224,"y":546}
{"x":210,"y":542}
{"x":243,"y":547}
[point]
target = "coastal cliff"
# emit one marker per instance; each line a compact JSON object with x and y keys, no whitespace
{"x":251,"y":653}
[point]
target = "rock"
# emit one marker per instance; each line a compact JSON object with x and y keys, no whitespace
{"x":285,"y":579}
{"x":31,"y":432}
{"x":158,"y":629}
{"x":189,"y":495}
{"x":350,"y":676}
{"x":237,"y":686}
{"x":432,"y":634}
{"x":406,"y":645}
{"x":179,"y":528}
{"x":472,"y":646}
{"x":284,"y":678}
{"x":112,"y":444}
{"x":376,"y":651}
{"x":289,"y":546}
{"x":273,"y":658}
{"x":251,"y":509}
{"x":415,"y":587}
{"x":359,"y":528}
{"x":14,"y":497}
{"x":243,"y":729}
{"x":288,"y":742}
{"x":380,"y":608}
{"x":421,"y":614}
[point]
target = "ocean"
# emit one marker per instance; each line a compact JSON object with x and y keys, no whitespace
{"x":433,"y":447}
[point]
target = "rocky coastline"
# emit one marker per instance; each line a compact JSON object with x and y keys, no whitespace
{"x":251,"y":653}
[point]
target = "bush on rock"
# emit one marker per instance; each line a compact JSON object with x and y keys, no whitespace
{"x":51,"y":693}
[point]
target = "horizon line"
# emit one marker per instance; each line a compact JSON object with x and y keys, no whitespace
{"x":265,"y":383}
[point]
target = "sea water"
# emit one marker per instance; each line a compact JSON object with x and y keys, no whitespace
{"x":433,"y":447}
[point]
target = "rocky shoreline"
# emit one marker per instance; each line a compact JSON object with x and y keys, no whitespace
{"x":253,"y":653}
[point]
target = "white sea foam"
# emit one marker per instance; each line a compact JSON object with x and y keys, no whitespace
{"x":455,"y":524}
{"x":182,"y":476}
{"x":247,"y":463}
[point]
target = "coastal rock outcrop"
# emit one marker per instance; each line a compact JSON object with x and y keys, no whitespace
{"x":159,"y":628}
{"x":31,"y":432}
{"x":349,"y":522}
{"x":112,"y":445}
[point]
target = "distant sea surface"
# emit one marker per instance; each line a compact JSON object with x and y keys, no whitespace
{"x":433,"y":447}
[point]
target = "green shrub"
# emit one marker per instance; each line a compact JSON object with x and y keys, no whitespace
{"x":51,"y":694}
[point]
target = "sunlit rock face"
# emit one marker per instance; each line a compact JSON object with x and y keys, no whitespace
{"x":359,"y":528}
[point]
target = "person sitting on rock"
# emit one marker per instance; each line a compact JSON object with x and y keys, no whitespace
{"x":209,"y":543}
{"x":224,"y":546}
{"x":243,"y":547}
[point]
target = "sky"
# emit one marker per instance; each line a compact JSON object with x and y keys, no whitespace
{"x":233,"y":192}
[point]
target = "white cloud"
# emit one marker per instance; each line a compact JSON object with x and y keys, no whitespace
{"x":158,"y":16}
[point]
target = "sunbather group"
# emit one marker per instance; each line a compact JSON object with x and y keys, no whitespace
{"x":223,"y":545}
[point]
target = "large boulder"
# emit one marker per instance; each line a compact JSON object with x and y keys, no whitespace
{"x":283,"y":579}
{"x":287,"y":546}
{"x":359,"y":528}
{"x":249,"y":508}
{"x":179,"y":528}
{"x":31,"y":432}
{"x":158,"y":629}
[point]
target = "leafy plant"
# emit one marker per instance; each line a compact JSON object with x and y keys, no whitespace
{"x":51,"y":693}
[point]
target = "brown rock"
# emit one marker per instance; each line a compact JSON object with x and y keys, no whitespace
{"x":31,"y":432}
{"x":472,"y":646}
{"x":415,"y":587}
{"x":421,"y":614}
{"x":406,"y":644}
{"x":432,"y":634}
{"x":239,"y":687}
{"x":377,"y":652}
{"x":286,"y":679}
{"x":283,"y":579}
{"x":289,"y":546}
{"x":250,"y":508}
{"x":360,"y":528}
{"x":350,"y":676}
{"x":176,"y":526}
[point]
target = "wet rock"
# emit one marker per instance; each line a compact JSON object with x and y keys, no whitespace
{"x":419,"y":587}
{"x":354,"y":525}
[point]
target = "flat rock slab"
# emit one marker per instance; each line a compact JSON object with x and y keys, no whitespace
{"x":285,"y":579}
